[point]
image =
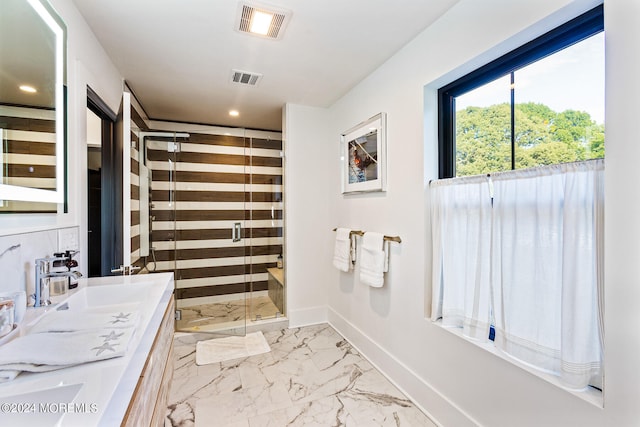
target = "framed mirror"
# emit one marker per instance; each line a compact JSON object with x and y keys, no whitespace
{"x":32,"y":106}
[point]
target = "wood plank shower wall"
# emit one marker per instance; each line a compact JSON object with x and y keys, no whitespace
{"x":218,"y":183}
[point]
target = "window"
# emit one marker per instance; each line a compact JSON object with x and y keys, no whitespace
{"x":518,"y":232}
{"x":540,"y":104}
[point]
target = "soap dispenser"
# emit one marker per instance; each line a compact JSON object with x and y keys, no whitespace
{"x":58,"y":285}
{"x":71,"y":265}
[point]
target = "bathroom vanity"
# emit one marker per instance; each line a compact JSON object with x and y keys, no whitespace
{"x":130,"y":390}
{"x":149,"y":403}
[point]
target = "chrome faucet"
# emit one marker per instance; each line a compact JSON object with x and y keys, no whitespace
{"x":126,"y":270}
{"x":43,"y":273}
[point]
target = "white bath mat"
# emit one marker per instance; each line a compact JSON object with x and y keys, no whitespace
{"x":228,"y":348}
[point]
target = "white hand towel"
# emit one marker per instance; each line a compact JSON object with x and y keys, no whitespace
{"x":70,"y":321}
{"x":50,"y":351}
{"x":342,"y":250}
{"x":372,"y":260}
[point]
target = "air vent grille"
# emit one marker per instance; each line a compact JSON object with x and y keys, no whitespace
{"x":245,"y":77}
{"x":278,"y":23}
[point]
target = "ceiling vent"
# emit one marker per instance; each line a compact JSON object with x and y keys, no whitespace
{"x":262,"y":21}
{"x":245,"y":77}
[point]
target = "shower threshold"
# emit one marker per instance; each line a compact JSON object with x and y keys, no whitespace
{"x":231,"y":316}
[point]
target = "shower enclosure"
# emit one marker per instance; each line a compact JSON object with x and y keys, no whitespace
{"x":211,"y":211}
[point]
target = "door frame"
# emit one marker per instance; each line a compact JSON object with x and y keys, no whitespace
{"x":111,"y":186}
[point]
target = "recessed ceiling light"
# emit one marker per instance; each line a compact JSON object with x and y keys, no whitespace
{"x":262,"y":21}
{"x":27,"y":88}
{"x":234,"y":113}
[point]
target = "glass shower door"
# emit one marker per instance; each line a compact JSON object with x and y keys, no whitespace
{"x":216,"y":209}
{"x":198,"y":192}
{"x":265,"y":249}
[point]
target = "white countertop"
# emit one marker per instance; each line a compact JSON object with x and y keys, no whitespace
{"x":107,"y":386}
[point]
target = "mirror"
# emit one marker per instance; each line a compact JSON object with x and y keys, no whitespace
{"x":32,"y":105}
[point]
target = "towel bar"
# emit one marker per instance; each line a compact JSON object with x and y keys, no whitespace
{"x":396,"y":239}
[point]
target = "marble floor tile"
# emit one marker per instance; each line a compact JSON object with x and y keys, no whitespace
{"x":328,"y":411}
{"x":238,"y":406}
{"x":311,"y":377}
{"x":223,"y":315}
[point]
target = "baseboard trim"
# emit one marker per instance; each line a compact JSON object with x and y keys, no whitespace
{"x":400,"y":375}
{"x":307,"y":316}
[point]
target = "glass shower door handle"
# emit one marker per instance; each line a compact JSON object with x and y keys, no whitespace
{"x":237,"y":232}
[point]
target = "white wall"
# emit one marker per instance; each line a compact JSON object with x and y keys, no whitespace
{"x":87,"y":64}
{"x":457,"y":382}
{"x":622,"y":210}
{"x":308,"y":222}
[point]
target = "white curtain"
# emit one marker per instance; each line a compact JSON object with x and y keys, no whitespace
{"x":461,"y":229}
{"x":545,"y":264}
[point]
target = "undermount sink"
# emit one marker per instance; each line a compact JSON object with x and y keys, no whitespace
{"x":105,"y":296}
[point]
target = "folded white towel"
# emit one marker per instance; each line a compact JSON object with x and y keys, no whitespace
{"x":50,"y":351}
{"x":372,"y":260}
{"x":342,"y":250}
{"x":69,"y":321}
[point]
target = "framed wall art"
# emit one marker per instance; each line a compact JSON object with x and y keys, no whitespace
{"x":364,"y":149}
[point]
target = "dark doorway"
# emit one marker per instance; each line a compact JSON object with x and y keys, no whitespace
{"x":104,"y":162}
